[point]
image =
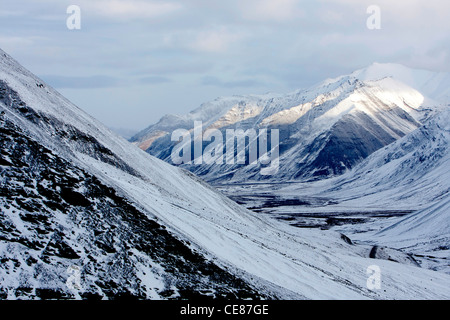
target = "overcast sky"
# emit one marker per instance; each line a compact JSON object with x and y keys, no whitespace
{"x":133,"y":61}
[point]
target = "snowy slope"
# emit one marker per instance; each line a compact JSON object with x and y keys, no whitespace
{"x":324,"y":130}
{"x":56,"y":217}
{"x":212,"y":245}
{"x":411,"y":172}
{"x":426,"y":233}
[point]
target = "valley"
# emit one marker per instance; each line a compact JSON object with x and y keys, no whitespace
{"x":306,"y":211}
{"x":357,"y":224}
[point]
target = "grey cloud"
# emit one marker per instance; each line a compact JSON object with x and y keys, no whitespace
{"x":154,"y":80}
{"x":75,"y":82}
{"x":214,"y":81}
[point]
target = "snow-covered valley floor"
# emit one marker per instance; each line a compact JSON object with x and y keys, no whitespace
{"x":359,"y":223}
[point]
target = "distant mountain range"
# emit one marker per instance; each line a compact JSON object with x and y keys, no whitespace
{"x":324,"y":130}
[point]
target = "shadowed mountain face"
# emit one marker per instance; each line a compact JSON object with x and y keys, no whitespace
{"x":324,"y":131}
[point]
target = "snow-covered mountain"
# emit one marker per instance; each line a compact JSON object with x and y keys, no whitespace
{"x":76,"y":197}
{"x":63,"y":209}
{"x":324,"y":130}
{"x":411,"y":173}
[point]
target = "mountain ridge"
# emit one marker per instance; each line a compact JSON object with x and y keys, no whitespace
{"x":379,"y":107}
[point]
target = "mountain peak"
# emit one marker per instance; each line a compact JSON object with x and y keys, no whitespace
{"x":377,"y":71}
{"x":434,"y":85}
